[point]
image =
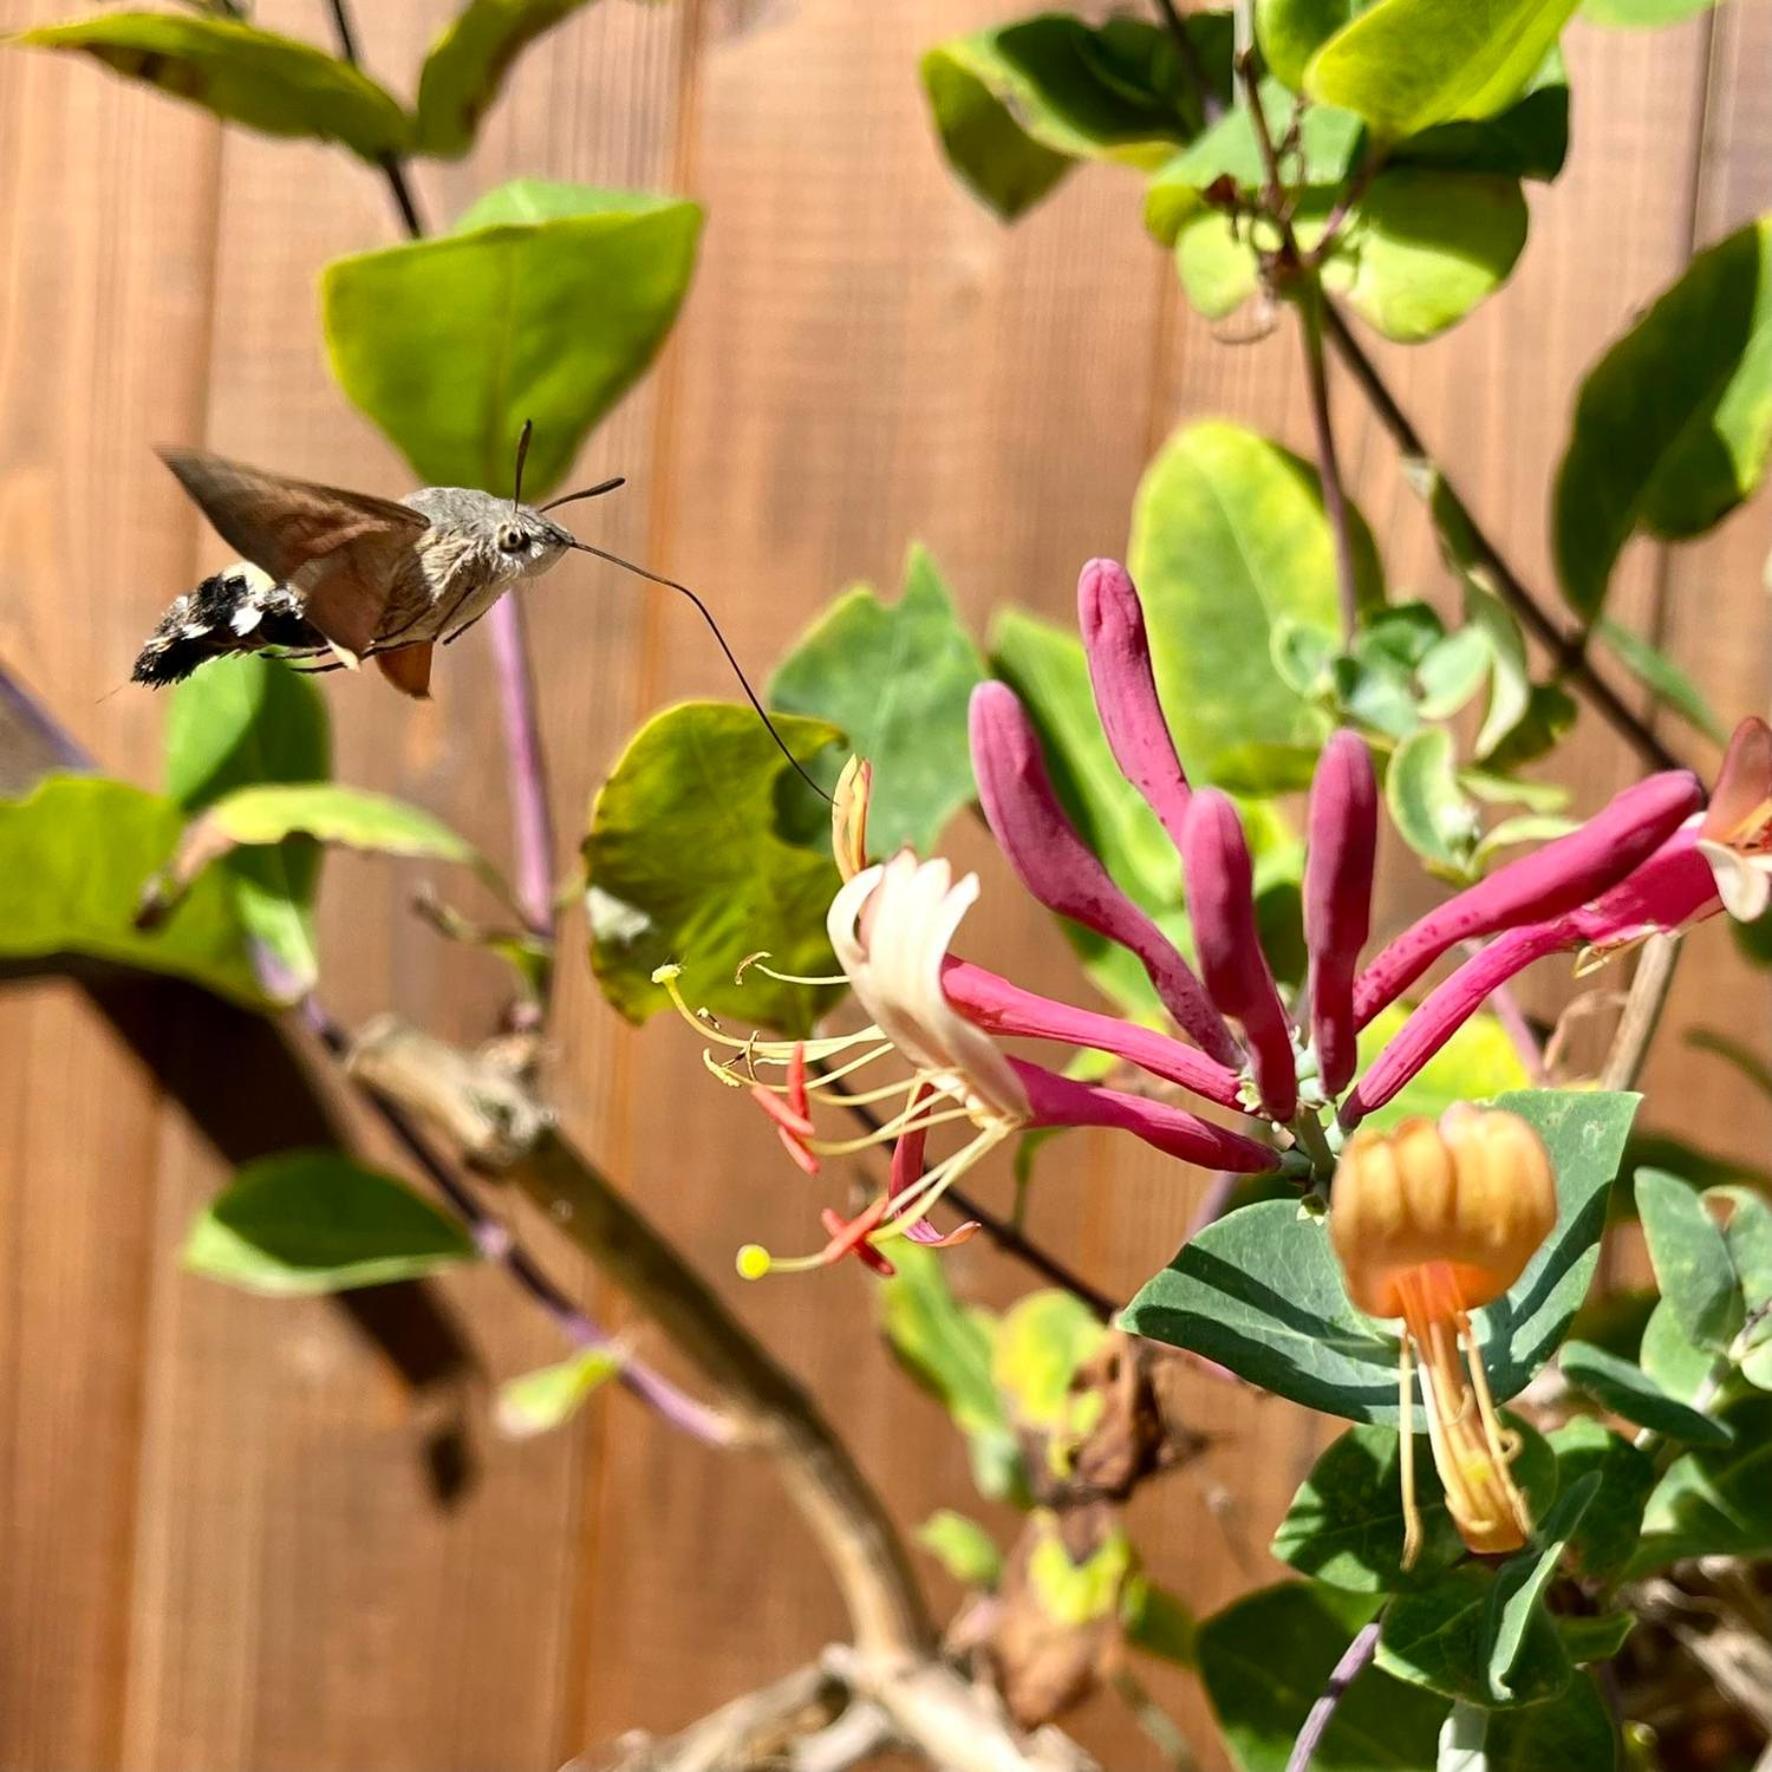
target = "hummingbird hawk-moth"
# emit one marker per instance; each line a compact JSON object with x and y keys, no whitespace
{"x":346,"y":574}
{"x":332,"y":577}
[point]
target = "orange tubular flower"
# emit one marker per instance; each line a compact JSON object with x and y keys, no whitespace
{"x":1431,"y":1222}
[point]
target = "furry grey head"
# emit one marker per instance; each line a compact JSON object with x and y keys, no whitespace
{"x":508,"y":541}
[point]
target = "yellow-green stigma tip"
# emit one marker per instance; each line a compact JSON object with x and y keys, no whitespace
{"x":665,"y":973}
{"x":754,"y":1261}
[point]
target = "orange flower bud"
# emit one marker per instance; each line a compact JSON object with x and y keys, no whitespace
{"x":1430,"y":1222}
{"x":1473,"y":1196}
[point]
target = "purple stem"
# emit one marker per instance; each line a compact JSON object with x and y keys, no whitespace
{"x":1352,"y":1664}
{"x":532,"y":821}
{"x":494,"y":1241}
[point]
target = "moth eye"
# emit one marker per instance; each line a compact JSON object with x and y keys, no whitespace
{"x":512,"y":540}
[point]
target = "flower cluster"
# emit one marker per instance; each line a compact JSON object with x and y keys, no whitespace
{"x":1655,"y":859}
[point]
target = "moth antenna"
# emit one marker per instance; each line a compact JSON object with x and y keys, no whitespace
{"x":707,"y":615}
{"x":596,"y":491}
{"x":523,"y":437}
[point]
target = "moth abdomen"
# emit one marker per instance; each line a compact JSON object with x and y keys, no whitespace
{"x":239,"y":610}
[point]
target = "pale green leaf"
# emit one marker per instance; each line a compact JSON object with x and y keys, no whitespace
{"x":549,"y":1397}
{"x":1405,"y":65}
{"x":963,"y":1548}
{"x":1228,"y":538}
{"x":1664,"y":679}
{"x":1691,"y":1259}
{"x":468,"y":63}
{"x":1428,"y":806}
{"x":450,"y":344}
{"x":1629,"y":1391}
{"x":1478,"y":1063}
{"x":269,"y":83}
{"x":694,"y":859}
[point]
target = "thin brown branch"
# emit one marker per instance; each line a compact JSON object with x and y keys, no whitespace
{"x":503,"y":1132}
{"x":1211,"y":105}
{"x":1567,"y":649}
{"x":1310,"y":320}
{"x":392,"y":166}
{"x":1649,"y":987}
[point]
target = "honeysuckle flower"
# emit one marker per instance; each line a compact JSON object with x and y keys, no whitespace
{"x":1431,"y":1222}
{"x":890,"y":927}
{"x":1713,"y":859}
{"x":1652,"y":859}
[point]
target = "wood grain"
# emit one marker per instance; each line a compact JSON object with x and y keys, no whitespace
{"x":223,"y":1539}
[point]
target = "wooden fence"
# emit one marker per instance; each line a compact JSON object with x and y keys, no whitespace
{"x":223,"y":1542}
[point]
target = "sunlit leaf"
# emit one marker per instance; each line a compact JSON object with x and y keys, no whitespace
{"x":269,"y":83}
{"x":1607,"y":1535}
{"x":1691,"y":1259}
{"x":963,"y":1548}
{"x":695,"y":859}
{"x":450,"y":344}
{"x":1629,"y":1391}
{"x":1427,"y":804}
{"x":1405,"y":65}
{"x":468,"y":63}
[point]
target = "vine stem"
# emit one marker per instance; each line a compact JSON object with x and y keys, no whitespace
{"x":1352,"y":1664}
{"x":531,"y":809}
{"x":1568,"y":650}
{"x":1310,"y":316}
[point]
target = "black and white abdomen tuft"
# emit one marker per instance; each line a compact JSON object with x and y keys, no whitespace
{"x":240,"y":609}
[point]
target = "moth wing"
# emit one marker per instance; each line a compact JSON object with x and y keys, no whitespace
{"x":340,"y":549}
{"x":408,"y":669}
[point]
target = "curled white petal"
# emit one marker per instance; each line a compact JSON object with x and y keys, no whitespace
{"x":1744,"y":882}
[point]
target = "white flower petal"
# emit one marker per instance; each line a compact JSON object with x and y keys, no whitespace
{"x":1744,"y":883}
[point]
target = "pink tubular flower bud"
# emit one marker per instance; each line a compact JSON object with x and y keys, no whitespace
{"x":1063,"y":1101}
{"x":1119,"y":651}
{"x":993,"y":1003}
{"x":1221,"y":903}
{"x":1343,"y":843}
{"x":1446,"y":1009}
{"x":1056,"y":866}
{"x":1555,"y":879}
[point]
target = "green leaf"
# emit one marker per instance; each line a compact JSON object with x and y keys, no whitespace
{"x":1016,"y":107}
{"x":1690,"y":1256}
{"x":1572,"y":1730}
{"x":1747,"y":1230}
{"x":1041,"y":1343}
{"x":1155,"y":1621}
{"x":1228,"y":539}
{"x":74,"y":856}
{"x":1607,"y":1535}
{"x":1265,"y":1659}
{"x":316,"y":1221}
{"x":1715,"y":1500}
{"x":1345,"y":1525}
{"x":1629,"y":1391}
{"x":1452,"y":672}
{"x":946,"y":1347}
{"x":963,"y":1548}
{"x":1530,"y":139}
{"x":1478,"y":1063}
{"x":1423,"y":247}
{"x":1260,"y":1291}
{"x":1642,"y":14}
{"x":1670,"y":1360}
{"x":242,"y":721}
{"x":468,"y":63}
{"x":1595,"y":1639}
{"x":235,"y":71}
{"x":1405,"y":65}
{"x":1427,"y":805}
{"x":1077,"y":1594}
{"x":1516,"y":1602}
{"x":1662,"y":678}
{"x":549,"y":1397}
{"x":1673,"y":425}
{"x":1218,"y":271}
{"x":450,"y":344}
{"x":897,"y":678}
{"x":273,"y":812}
{"x":1442,"y":1637}
{"x":1290,"y":32}
{"x":692,"y":862}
